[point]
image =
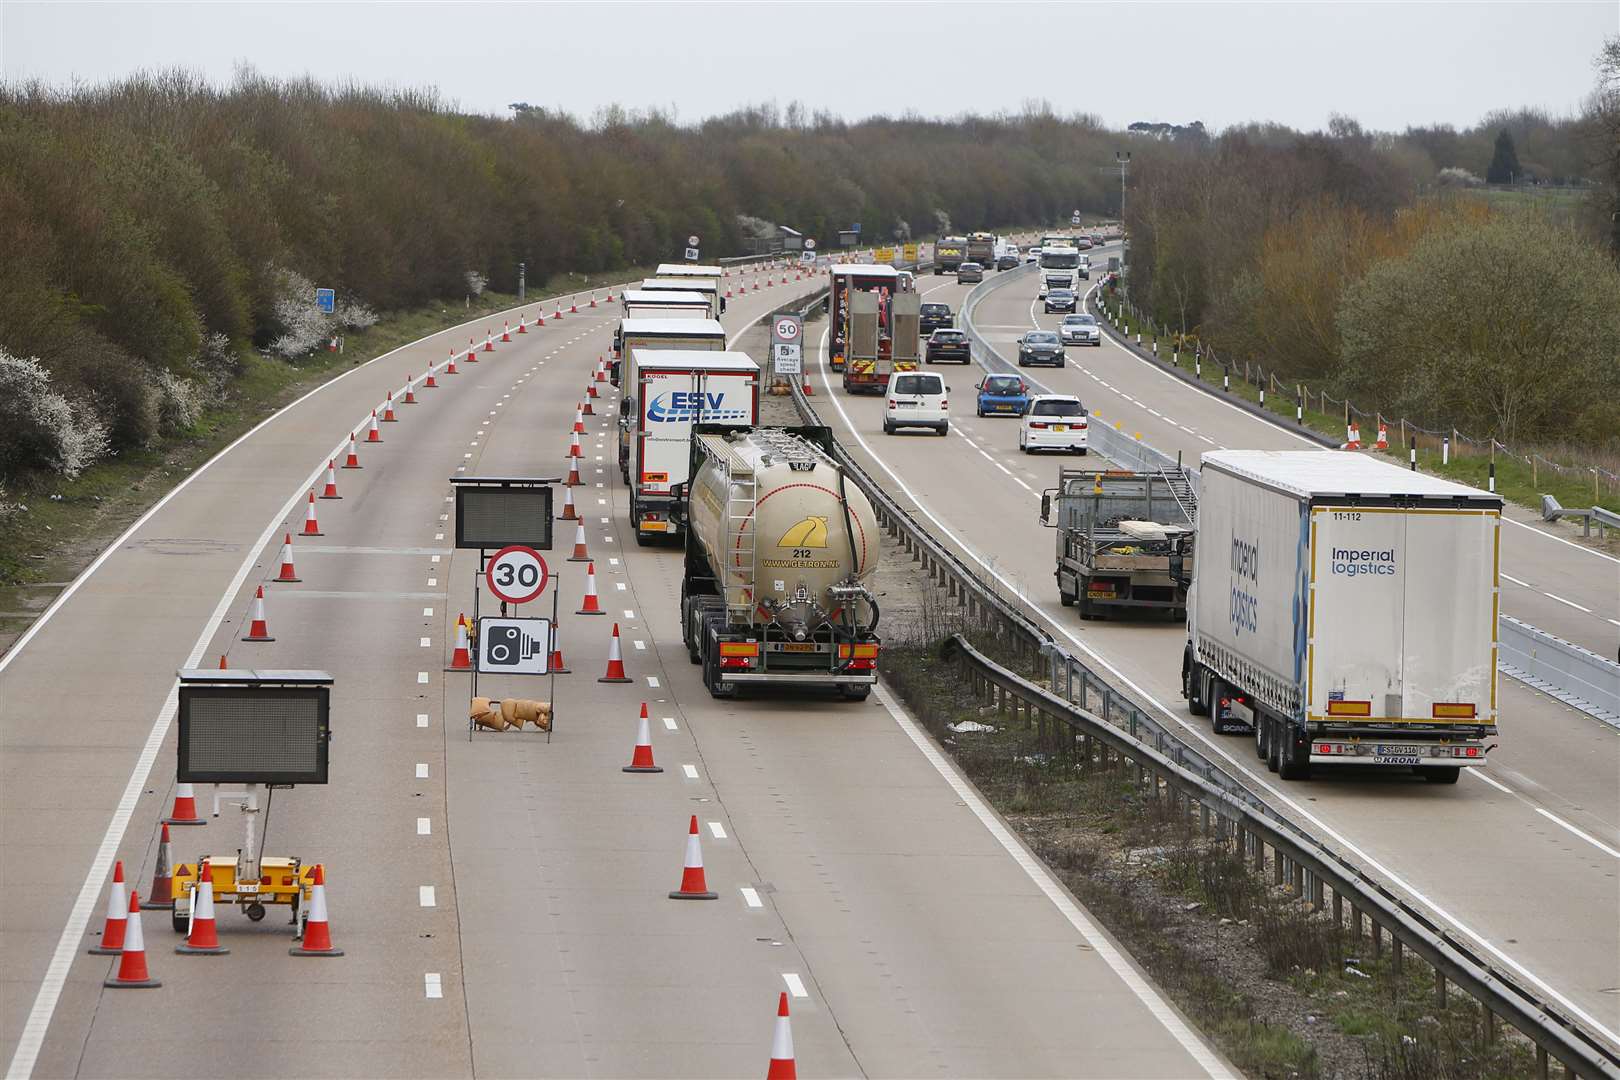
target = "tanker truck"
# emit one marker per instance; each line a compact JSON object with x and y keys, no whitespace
{"x":780,"y":549}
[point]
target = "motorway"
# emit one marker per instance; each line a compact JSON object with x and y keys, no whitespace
{"x":1522,"y":859}
{"x":501,"y":900}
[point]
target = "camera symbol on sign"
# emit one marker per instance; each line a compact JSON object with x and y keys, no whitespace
{"x":509,"y":646}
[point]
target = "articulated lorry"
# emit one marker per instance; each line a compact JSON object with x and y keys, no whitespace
{"x":1345,"y":610}
{"x":707,"y":287}
{"x":1124,"y":540}
{"x":673,"y":390}
{"x":780,"y":548}
{"x":653,"y":335}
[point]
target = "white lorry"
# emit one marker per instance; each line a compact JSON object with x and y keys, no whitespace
{"x":1061,"y":269}
{"x":708,"y":287}
{"x":703,"y":335}
{"x":662,"y":303}
{"x":1345,"y":610}
{"x":672,"y":390}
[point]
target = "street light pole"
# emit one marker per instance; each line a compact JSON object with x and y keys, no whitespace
{"x":1124,"y":159}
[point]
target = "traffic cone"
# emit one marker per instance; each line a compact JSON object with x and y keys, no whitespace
{"x":557,"y":665}
{"x":1383,"y":437}
{"x":809,"y":391}
{"x":410,"y":390}
{"x":317,"y":928}
{"x":579,"y":419}
{"x":431,"y":383}
{"x":580,"y":554}
{"x":693,"y":887}
{"x":781,"y":1067}
{"x":558,"y":313}
{"x":728,"y":292}
{"x":489,"y":341}
{"x":287,"y":571}
{"x":258,"y":629}
{"x":610,"y":296}
{"x":112,"y":932}
{"x":615,"y":664}
{"x":388,"y":410}
{"x":593,"y":298}
{"x":573,"y":304}
{"x":372,"y":434}
{"x":329,"y":490}
{"x":162,"y":894}
{"x":460,"y":660}
{"x":1353,"y":436}
{"x":506,"y":330}
{"x":641,"y":758}
{"x":184,"y":811}
{"x":472,"y":352}
{"x":222,"y":666}
{"x":132,"y":973}
{"x":601,"y":369}
{"x":311,"y":526}
{"x":204,"y":937}
{"x":450,"y":368}
{"x":590,"y":605}
{"x":522,"y":329}
{"x":573,"y":446}
{"x":353,"y":460}
{"x":568,"y":513}
{"x":585,"y":407}
{"x":539,"y":319}
{"x":573,"y":472}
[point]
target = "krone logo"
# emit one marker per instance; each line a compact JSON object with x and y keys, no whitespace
{"x":809,"y":533}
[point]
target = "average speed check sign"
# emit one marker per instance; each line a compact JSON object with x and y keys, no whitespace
{"x":516,"y":574}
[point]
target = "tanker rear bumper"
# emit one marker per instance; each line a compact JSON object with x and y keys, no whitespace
{"x":800,"y":678}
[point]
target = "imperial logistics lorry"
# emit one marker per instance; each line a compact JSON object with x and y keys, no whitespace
{"x":1345,"y":609}
{"x":673,"y":389}
{"x":700,"y":335}
{"x":874,"y":312}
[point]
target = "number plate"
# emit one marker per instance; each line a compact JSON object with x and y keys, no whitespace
{"x":1385,"y":750}
{"x":1060,"y":427}
{"x":247,"y":887}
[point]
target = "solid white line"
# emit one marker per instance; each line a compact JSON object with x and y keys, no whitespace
{"x":1043,"y":880}
{"x":1588,"y":837}
{"x":690,"y":771}
{"x":1516,"y":581}
{"x":1559,"y":539}
{"x":425,"y":897}
{"x":1479,"y":774}
{"x":751,"y":897}
{"x":1571,"y":603}
{"x":795,"y":984}
{"x":424,"y":826}
{"x":717,"y":830}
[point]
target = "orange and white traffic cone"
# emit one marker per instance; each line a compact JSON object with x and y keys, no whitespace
{"x":573,"y":446}
{"x":352,"y":461}
{"x":615,"y":663}
{"x":585,"y":406}
{"x":568,"y":512}
{"x":809,"y":391}
{"x":557,"y":665}
{"x":580,"y":554}
{"x":573,"y":304}
{"x":329,"y":489}
{"x":489,"y":341}
{"x":601,"y":370}
{"x":591,"y":605}
{"x":557,"y":314}
{"x":461,"y":659}
{"x":540,"y":318}
{"x":431,"y":383}
{"x":522,"y":328}
{"x":506,"y":330}
{"x":372,"y":434}
{"x":450,"y":368}
{"x":132,"y":972}
{"x":112,"y":931}
{"x":1383,"y":437}
{"x":610,"y":296}
{"x":287,"y":572}
{"x":641,"y":758}
{"x":693,"y":887}
{"x":317,"y":927}
{"x":204,"y":937}
{"x":388,"y":416}
{"x":573,"y":472}
{"x":312,"y":527}
{"x":1352,"y":439}
{"x":593,"y":298}
{"x":579,"y":419}
{"x":590,"y":389}
{"x":162,"y":894}
{"x":782,"y":1067}
{"x":472,"y":352}
{"x":184,"y":811}
{"x":258,"y":628}
{"x":410,"y":391}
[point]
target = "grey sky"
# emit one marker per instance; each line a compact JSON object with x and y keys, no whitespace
{"x":1387,"y":64}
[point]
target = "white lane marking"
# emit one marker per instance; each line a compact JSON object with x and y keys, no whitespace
{"x":717,"y":830}
{"x":1207,"y":439}
{"x":629,"y":614}
{"x":751,"y":897}
{"x":431,"y":985}
{"x":1279,"y":797}
{"x":421,"y":719}
{"x":427,"y":613}
{"x":1042,"y":878}
{"x":424,"y":826}
{"x":1559,"y":539}
{"x":1479,"y":774}
{"x":1588,"y":837}
{"x":652,"y":681}
{"x":639,"y":644}
{"x":438,"y":536}
{"x":619,"y":584}
{"x":421,"y":677}
{"x":795,"y":984}
{"x":433,"y":582}
{"x":425,"y":896}
{"x":690,"y":771}
{"x":427,"y":642}
{"x":421,"y":769}
{"x":669,"y":722}
{"x":435,"y":558}
{"x":605,"y":520}
{"x":1516,"y":581}
{"x":1571,"y":603}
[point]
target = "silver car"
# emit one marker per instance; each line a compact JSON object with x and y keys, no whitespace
{"x":969,"y":271}
{"x":1080,"y":329}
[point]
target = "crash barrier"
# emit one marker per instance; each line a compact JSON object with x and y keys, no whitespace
{"x":1093,"y":714}
{"x":1129,"y":451}
{"x":1578,"y":677}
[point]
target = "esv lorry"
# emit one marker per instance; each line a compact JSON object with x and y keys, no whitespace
{"x":1345,"y":610}
{"x":653,"y":335}
{"x":673,"y":390}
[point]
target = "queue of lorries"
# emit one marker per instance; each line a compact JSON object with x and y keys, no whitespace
{"x":1343,"y":610}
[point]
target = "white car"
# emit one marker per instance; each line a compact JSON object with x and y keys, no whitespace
{"x":1033,"y":253}
{"x":1080,"y":329}
{"x":1053,"y":422}
{"x":916,"y":399}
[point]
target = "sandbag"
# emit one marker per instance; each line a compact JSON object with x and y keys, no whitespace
{"x":519,"y":711}
{"x":487,"y":714}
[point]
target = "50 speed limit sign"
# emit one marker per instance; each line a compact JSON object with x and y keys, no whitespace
{"x":517,"y":574}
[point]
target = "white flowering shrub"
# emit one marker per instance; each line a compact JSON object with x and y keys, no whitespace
{"x":40,"y":429}
{"x":179,"y":403}
{"x":304,"y":327}
{"x":353,"y":315}
{"x":476,"y":283}
{"x":1457,"y":177}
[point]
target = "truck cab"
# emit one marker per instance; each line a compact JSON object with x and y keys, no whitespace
{"x":1060,"y":269}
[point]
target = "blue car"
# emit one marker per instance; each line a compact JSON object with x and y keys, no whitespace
{"x":1003,"y":395}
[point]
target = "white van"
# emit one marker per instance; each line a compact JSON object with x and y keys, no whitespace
{"x":917,"y":399}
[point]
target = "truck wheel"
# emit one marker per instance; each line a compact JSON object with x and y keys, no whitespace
{"x":1262,"y":739}
{"x":1293,"y":763}
{"x":1086,"y":611}
{"x":1212,"y":707}
{"x":855,"y":693}
{"x":1192,"y":681}
{"x":1273,"y":745}
{"x":1065,"y":597}
{"x":1438,"y":774}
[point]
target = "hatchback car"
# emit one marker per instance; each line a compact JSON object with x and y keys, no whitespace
{"x":1053,"y":422}
{"x":969,"y":271}
{"x":1060,"y":300}
{"x":931,"y":317}
{"x":948,"y":345}
{"x":1040,"y":347}
{"x":1002,"y":395}
{"x":1033,"y":254}
{"x":1080,"y":329}
{"x":916,"y":399}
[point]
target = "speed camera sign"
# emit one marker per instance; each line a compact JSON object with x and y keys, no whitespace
{"x":516,"y":574}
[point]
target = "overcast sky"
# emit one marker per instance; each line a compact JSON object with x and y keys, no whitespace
{"x":1386,"y":64}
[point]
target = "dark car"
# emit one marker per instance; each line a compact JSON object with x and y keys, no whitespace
{"x":1007,"y":260}
{"x":1040,"y":347}
{"x":948,"y":345}
{"x":1059,"y":300}
{"x":933,"y":317}
{"x":969,"y":271}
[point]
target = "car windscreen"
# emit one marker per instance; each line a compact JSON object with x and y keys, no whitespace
{"x":1078,"y":320}
{"x":918,"y":384}
{"x":1060,"y":260}
{"x":1003,"y":384}
{"x":949,"y":337}
{"x":1059,"y":407}
{"x":935,"y":309}
{"x":1047,"y":338}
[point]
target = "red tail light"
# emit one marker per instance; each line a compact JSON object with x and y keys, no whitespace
{"x":1035,"y":426}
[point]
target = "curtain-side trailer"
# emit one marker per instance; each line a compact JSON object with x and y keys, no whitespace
{"x":703,"y":335}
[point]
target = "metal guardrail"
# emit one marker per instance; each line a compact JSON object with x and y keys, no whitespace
{"x":1578,"y":677}
{"x":1091,"y":706}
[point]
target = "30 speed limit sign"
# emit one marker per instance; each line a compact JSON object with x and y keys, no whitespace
{"x":517,"y":574}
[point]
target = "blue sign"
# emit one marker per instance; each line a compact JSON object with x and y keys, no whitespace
{"x":855,"y":227}
{"x":326,"y":300}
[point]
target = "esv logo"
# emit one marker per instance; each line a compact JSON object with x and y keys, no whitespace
{"x":691,"y":405}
